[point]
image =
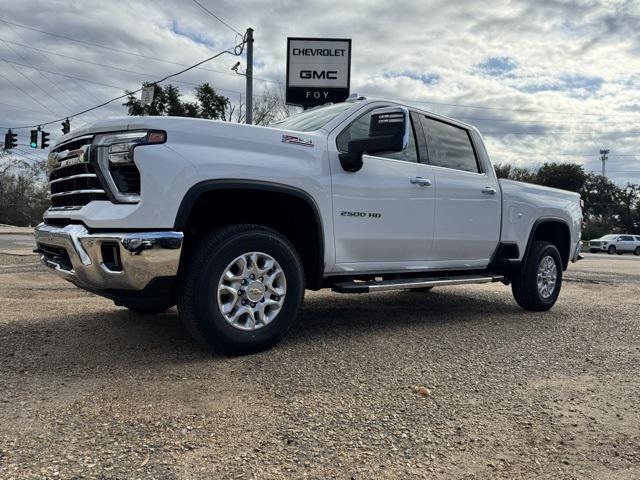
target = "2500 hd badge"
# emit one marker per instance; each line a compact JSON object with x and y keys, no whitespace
{"x":360,"y":214}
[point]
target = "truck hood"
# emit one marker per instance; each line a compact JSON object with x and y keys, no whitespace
{"x":184,"y":127}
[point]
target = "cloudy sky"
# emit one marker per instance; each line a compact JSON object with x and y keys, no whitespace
{"x":544,"y":80}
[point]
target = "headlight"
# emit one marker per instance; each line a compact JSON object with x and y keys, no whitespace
{"x":114,"y":153}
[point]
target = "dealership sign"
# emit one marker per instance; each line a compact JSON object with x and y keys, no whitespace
{"x":318,"y":70}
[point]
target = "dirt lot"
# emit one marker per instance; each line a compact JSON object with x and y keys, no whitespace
{"x":89,"y":390}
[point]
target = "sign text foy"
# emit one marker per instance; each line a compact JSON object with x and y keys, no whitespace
{"x":318,"y":70}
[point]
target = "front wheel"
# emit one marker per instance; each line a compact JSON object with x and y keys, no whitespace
{"x":611,"y":250}
{"x":636,"y":252}
{"x":536,"y":285}
{"x":242,"y":289}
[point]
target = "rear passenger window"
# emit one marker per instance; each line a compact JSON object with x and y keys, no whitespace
{"x":449,"y":146}
{"x":627,"y":238}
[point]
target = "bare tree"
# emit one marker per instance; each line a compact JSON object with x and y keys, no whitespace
{"x":267,"y":108}
{"x":24,"y":195}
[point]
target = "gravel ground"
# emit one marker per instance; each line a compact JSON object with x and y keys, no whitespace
{"x":456,"y":383}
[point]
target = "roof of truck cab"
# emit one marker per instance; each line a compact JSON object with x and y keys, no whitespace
{"x":414,"y":106}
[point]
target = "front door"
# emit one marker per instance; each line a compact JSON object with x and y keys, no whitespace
{"x":384,"y":213}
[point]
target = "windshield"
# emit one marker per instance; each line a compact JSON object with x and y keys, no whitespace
{"x":312,"y":119}
{"x":609,"y":237}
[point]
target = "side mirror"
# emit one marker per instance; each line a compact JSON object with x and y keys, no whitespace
{"x":388,"y":133}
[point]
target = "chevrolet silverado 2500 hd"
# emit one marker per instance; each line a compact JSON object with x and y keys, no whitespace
{"x":233,"y":222}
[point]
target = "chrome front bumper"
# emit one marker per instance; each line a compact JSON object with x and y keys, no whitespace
{"x":141,"y":256}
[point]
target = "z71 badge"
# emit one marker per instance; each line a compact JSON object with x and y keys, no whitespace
{"x":297,"y":140}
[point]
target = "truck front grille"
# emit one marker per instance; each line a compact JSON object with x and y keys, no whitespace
{"x":72,"y":178}
{"x":594,"y":244}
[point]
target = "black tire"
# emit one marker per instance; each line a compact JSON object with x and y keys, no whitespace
{"x":524,"y":283}
{"x":611,"y":250}
{"x":421,"y":290}
{"x":197,"y":298}
{"x":636,"y":252}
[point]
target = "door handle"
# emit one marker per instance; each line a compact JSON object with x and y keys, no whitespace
{"x":423,"y":182}
{"x":489,"y":190}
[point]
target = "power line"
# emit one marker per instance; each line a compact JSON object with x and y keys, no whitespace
{"x":19,"y":35}
{"x":562,"y":133}
{"x":45,"y":77}
{"x":555,"y":122}
{"x":35,"y":157}
{"x":22,"y":108}
{"x":116,"y":87}
{"x":35,"y":84}
{"x":561,"y":154}
{"x":281,"y":83}
{"x":551,"y":112}
{"x":124,"y":52}
{"x":49,"y":52}
{"x":236,"y":52}
{"x":27,"y":93}
{"x":216,"y":17}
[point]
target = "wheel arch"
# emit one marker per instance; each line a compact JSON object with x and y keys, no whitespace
{"x":308,"y":226}
{"x":555,"y":230}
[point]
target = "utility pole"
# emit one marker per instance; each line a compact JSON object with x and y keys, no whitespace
{"x":249,"y":77}
{"x":604,"y":152}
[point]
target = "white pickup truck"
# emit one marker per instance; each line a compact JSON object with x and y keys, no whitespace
{"x":233,"y":222}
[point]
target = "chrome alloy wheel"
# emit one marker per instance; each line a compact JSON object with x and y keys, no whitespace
{"x":251,"y":291}
{"x":547,"y":276}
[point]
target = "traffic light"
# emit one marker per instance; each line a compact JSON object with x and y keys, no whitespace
{"x":34,"y":139}
{"x":10,"y":140}
{"x":66,"y":126}
{"x":45,"y":140}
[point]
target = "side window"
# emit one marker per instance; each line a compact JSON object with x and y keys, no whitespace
{"x":360,"y":129}
{"x":449,"y":146}
{"x":627,"y":238}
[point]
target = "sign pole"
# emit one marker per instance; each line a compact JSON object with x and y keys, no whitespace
{"x":249,"y":77}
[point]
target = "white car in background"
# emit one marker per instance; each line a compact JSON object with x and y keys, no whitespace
{"x":616,"y":243}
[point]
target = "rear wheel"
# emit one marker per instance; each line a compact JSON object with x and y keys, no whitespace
{"x":636,"y":252}
{"x":536,"y":285}
{"x":242,"y":289}
{"x":611,"y":250}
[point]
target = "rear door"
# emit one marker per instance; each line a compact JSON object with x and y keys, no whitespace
{"x":626,"y":243}
{"x":468,"y":198}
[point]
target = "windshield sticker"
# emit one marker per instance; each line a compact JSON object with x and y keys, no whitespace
{"x":297,"y":140}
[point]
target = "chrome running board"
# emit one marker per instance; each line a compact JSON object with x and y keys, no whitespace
{"x":407,"y":283}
